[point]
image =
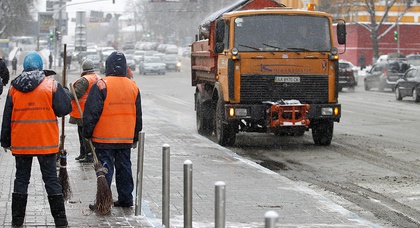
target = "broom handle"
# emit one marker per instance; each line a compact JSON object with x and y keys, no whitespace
{"x":95,"y":158}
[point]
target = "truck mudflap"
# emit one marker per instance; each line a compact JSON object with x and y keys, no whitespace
{"x":288,"y":113}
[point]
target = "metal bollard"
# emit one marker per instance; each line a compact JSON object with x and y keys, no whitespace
{"x":165,"y":184}
{"x":187,"y":194}
{"x":271,"y":218}
{"x":140,"y":162}
{"x":220,"y":205}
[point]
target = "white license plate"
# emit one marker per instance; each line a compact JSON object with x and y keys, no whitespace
{"x":287,"y":79}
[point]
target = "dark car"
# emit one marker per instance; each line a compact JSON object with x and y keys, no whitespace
{"x":172,"y":63}
{"x":347,"y":75}
{"x":385,"y":74}
{"x":409,"y":85}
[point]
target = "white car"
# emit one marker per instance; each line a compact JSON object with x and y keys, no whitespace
{"x":152,"y":64}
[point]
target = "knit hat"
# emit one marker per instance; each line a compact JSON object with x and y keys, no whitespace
{"x":32,"y":61}
{"x":88,"y":65}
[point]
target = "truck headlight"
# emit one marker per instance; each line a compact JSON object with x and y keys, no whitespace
{"x":327,"y":111}
{"x":238,"y":112}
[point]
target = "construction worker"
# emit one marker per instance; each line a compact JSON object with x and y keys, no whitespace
{"x":112,"y":119}
{"x":30,"y":129}
{"x":82,"y":87}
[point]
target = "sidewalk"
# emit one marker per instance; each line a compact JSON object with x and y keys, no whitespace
{"x":251,"y":190}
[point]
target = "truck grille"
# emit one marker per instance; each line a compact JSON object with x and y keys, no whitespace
{"x":259,"y":88}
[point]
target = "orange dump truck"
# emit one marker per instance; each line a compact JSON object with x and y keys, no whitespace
{"x":260,"y":66}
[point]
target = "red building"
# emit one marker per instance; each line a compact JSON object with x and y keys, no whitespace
{"x":359,"y":41}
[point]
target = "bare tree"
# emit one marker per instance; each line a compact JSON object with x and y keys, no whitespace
{"x":14,"y":17}
{"x":177,"y":19}
{"x":347,"y":7}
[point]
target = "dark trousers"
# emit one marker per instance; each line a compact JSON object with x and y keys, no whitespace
{"x":120,"y":158}
{"x":48,"y":171}
{"x":84,"y":145}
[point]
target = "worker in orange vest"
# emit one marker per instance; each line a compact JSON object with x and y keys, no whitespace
{"x":30,"y":129}
{"x":82,"y":87}
{"x":112,"y":119}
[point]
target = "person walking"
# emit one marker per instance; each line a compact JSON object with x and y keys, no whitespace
{"x":30,"y":129}
{"x":50,"y":60}
{"x":4,"y":75}
{"x":82,"y":87}
{"x":112,"y":119}
{"x":14,"y":65}
{"x":362,"y":61}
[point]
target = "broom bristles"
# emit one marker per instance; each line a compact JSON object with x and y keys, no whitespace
{"x":103,"y":200}
{"x":63,"y":177}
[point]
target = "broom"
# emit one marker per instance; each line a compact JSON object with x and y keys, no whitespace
{"x":103,"y":199}
{"x":63,"y":175}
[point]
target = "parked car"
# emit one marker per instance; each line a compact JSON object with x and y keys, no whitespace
{"x":138,"y":56}
{"x":152,"y":64}
{"x":171,"y":49}
{"x":172,"y":62}
{"x":348,"y":75}
{"x":409,"y":85}
{"x":96,"y":59}
{"x":130,"y":61}
{"x":413,"y":59}
{"x":385,"y":74}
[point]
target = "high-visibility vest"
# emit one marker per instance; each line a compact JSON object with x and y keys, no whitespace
{"x":118,"y":119}
{"x":34,"y":126}
{"x":91,"y":78}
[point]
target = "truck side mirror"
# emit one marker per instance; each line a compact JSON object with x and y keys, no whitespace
{"x":220,"y":31}
{"x":341,"y":32}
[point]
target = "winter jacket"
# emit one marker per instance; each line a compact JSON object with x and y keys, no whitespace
{"x":100,"y":102}
{"x":41,"y":99}
{"x":4,"y":72}
{"x":82,"y":87}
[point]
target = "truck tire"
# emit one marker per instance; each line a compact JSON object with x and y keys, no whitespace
{"x":322,"y":132}
{"x":204,"y":116}
{"x":225,"y":133}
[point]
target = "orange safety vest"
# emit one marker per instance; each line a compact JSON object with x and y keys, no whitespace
{"x":34,"y":126}
{"x":91,"y":78}
{"x":118,"y":119}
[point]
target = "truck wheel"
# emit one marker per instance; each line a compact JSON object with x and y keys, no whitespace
{"x":225,"y":133}
{"x":322,"y":132}
{"x":204,"y":117}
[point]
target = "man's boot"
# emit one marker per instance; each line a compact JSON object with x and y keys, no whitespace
{"x":87,"y":159}
{"x":18,"y":208}
{"x":82,"y":153}
{"x":58,"y":210}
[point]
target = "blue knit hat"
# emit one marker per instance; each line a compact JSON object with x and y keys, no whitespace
{"x":32,"y":61}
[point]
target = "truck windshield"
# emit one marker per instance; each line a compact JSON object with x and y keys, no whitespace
{"x":282,"y":33}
